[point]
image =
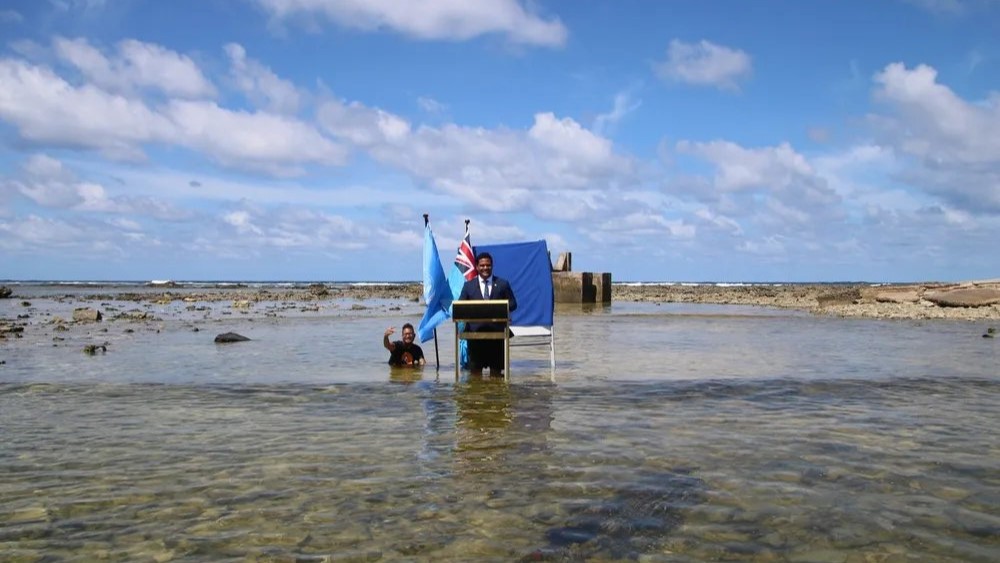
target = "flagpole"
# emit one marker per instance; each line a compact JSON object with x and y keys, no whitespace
{"x":437,"y":354}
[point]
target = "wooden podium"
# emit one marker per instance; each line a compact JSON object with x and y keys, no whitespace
{"x":494,"y":311}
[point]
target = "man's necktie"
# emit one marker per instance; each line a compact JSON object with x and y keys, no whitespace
{"x":486,"y":293}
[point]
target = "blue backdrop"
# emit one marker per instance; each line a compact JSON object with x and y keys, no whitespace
{"x":527,"y":267}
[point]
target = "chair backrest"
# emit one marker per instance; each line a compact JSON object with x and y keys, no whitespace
{"x":526,"y":266}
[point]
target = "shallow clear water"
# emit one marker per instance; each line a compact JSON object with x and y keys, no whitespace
{"x":673,"y":433}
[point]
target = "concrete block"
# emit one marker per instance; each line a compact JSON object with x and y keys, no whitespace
{"x":602,"y":287}
{"x":565,"y":262}
{"x":581,"y":287}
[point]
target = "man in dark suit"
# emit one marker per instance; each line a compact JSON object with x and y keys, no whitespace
{"x":487,"y":353}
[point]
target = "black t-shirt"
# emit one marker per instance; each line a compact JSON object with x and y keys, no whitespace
{"x":403,"y":356}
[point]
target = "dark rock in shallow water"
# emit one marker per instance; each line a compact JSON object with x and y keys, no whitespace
{"x":624,"y":522}
{"x":5,"y":292}
{"x":228,"y":337}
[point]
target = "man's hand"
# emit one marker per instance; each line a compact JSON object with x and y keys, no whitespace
{"x":385,"y":339}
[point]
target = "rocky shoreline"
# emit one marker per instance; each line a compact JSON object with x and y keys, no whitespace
{"x":974,"y":300}
{"x":968,"y":301}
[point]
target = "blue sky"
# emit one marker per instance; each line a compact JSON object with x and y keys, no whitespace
{"x":667,"y":140}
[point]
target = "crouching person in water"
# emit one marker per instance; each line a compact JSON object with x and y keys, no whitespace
{"x":403,"y":352}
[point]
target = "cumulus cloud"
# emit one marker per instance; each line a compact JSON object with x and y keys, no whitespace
{"x":361,"y":125}
{"x":135,"y":65}
{"x":774,"y":189}
{"x":705,"y":64}
{"x":46,"y":108}
{"x":739,"y":168}
{"x":430,"y":19}
{"x":504,"y":169}
{"x":261,"y":141}
{"x":260,"y":84}
{"x":952,"y":142}
{"x":495,"y":169}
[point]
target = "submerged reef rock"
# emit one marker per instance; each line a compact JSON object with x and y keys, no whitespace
{"x":621,"y":523}
{"x":228,"y":337}
{"x":86,"y":315}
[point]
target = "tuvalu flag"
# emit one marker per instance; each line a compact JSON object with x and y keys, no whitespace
{"x":465,"y":265}
{"x":463,"y":271}
{"x":437,"y":292}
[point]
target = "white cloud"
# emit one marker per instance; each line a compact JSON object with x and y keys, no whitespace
{"x":49,"y":183}
{"x":258,"y":141}
{"x":136,"y":65}
{"x":260,"y":84}
{"x":45,"y":108}
{"x":623,"y":106}
{"x":34,"y":232}
{"x":647,"y":223}
{"x":504,"y":169}
{"x":705,"y":64}
{"x":952,"y":143}
{"x":242,"y":221}
{"x":567,"y":137}
{"x":430,"y":19}
{"x":361,"y":125}
{"x":498,"y":170}
{"x":739,"y":168}
{"x":940,"y":125}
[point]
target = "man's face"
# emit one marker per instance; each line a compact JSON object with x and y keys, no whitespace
{"x":485,"y":267}
{"x":408,"y":335}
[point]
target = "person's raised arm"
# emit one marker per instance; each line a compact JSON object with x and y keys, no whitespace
{"x":385,"y":339}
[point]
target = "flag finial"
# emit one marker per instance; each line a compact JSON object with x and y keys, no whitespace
{"x":426,"y":219}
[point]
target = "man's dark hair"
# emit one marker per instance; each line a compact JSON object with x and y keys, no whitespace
{"x":482,"y":255}
{"x":408,"y":326}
